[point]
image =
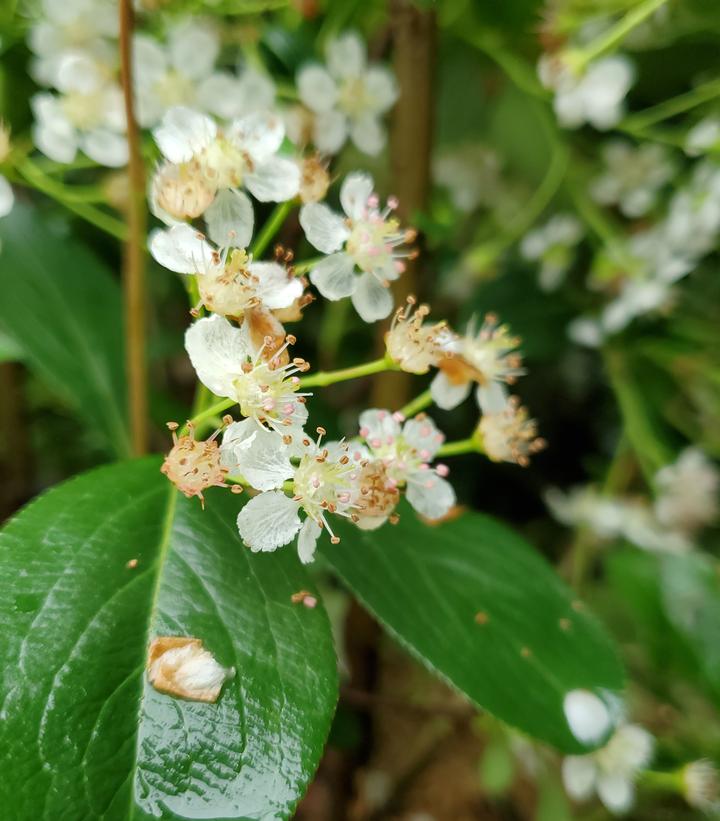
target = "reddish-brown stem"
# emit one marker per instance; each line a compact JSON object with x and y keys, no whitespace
{"x":134,"y":287}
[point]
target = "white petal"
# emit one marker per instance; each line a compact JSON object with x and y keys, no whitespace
{"x":424,"y":436}
{"x":7,"y":198}
{"x":372,"y":300}
{"x":617,"y":792}
{"x":230,"y":219}
{"x":105,"y":147}
{"x":446,"y":394}
{"x":58,"y":145}
{"x":181,"y":249}
{"x":260,"y":134}
{"x":334,"y":276}
{"x":257,"y":90}
{"x":381,"y":88}
{"x":217,"y":351}
{"x":256,"y":454}
{"x":368,"y":134}
{"x":78,"y":72}
{"x":221,"y":95}
{"x":324,"y":229}
{"x":149,"y":60}
{"x":268,"y":521}
{"x":355,"y":193}
{"x":492,"y":398}
{"x":578,"y":775}
{"x":183,"y":133}
{"x":307,"y":540}
{"x":193,"y":48}
{"x":378,"y":427}
{"x":273,"y":180}
{"x":330,"y":131}
{"x":275,"y":288}
{"x":587,"y":716}
{"x":316,"y":88}
{"x":430,"y":494}
{"x":346,"y":55}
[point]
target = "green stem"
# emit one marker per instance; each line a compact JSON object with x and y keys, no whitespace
{"x":672,"y":782}
{"x":271,"y":227}
{"x":301,"y":268}
{"x":69,"y":194}
{"x":676,"y":105}
{"x":470,"y":445}
{"x":486,"y":253}
{"x":651,"y":452}
{"x":521,"y":73}
{"x":323,"y":378}
{"x":38,"y":180}
{"x":209,"y":412}
{"x":419,"y":403}
{"x":609,"y":40}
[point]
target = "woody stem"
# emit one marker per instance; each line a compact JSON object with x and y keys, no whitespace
{"x":134,"y":287}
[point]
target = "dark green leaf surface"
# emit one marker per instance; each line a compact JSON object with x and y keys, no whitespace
{"x":427,"y":585}
{"x":62,"y":307}
{"x":84,"y":736}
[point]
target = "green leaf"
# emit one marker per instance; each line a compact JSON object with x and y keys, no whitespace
{"x":84,"y":735}
{"x":63,"y":309}
{"x":479,"y":606}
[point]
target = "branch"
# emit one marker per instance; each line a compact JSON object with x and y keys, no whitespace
{"x":134,"y":286}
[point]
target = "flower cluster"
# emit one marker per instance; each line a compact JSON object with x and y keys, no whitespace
{"x":686,"y":501}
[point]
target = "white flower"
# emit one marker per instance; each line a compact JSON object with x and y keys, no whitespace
{"x":588,"y":716}
{"x":486,"y":356}
{"x":413,"y":344}
{"x":687,"y":492}
{"x":611,"y":771}
{"x":703,"y":137}
{"x":553,"y":245}
{"x":633,"y":177}
{"x":470,"y":173}
{"x":693,"y":222}
{"x":648,"y":287}
{"x":509,"y":435}
{"x":70,"y":26}
{"x":596,"y":96}
{"x":88,"y":115}
{"x":366,"y":239}
{"x":229,"y":364}
{"x":7,"y":197}
{"x":324,"y":483}
{"x":228,"y":281}
{"x":613,"y":518}
{"x":587,"y":331}
{"x":404,"y":452}
{"x":702,"y":785}
{"x":243,"y":155}
{"x":348,"y":98}
{"x":182,"y":72}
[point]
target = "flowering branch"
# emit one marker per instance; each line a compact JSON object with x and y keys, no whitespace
{"x":324,"y":378}
{"x":134,"y":257}
{"x":615,"y":35}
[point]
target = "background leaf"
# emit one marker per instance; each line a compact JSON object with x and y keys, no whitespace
{"x":88,"y":738}
{"x":531,"y":644}
{"x":63,"y":308}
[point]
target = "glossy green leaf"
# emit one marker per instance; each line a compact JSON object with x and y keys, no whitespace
{"x":63,"y":309}
{"x":478,"y":605}
{"x":84,"y":736}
